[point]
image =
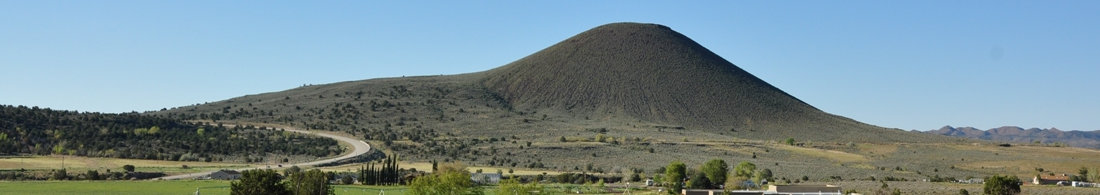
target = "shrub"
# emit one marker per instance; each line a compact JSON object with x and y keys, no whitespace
{"x":1002,"y":185}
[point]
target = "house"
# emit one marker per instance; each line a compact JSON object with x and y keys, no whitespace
{"x":224,"y":175}
{"x":649,"y":182}
{"x":1050,"y":179}
{"x":485,"y":178}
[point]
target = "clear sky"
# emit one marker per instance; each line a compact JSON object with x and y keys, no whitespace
{"x":903,"y":64}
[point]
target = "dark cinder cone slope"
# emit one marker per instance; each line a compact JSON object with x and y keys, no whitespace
{"x":645,"y":70}
{"x":652,"y":73}
{"x":622,"y":76}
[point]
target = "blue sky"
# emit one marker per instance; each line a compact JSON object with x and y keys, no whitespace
{"x":910,"y":65}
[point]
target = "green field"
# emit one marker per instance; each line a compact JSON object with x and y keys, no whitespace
{"x":113,"y":187}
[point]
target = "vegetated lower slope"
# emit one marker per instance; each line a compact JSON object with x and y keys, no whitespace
{"x":1085,"y":139}
{"x":614,"y":97}
{"x":40,"y":131}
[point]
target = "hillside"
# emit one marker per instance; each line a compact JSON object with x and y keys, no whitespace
{"x":33,"y":130}
{"x":642,"y":74}
{"x":1085,"y":139}
{"x":648,"y":72}
{"x":609,"y":98}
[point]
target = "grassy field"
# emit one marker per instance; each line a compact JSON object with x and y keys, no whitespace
{"x":81,"y":164}
{"x":211,"y":187}
{"x":154,"y":187}
{"x":113,"y":187}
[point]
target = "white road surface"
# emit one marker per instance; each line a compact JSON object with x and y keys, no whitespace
{"x":359,"y":147}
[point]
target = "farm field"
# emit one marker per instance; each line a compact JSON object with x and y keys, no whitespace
{"x":113,"y":187}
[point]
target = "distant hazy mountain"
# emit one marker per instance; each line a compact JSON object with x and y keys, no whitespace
{"x":1086,"y":139}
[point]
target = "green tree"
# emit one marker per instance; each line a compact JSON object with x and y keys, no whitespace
{"x":292,"y":170}
{"x":674,"y":176}
{"x":312,"y":182}
{"x":128,"y":168}
{"x":1095,"y":176}
{"x":92,"y":175}
{"x":744,"y":169}
{"x":716,"y":171}
{"x":60,"y":174}
{"x":1083,"y":174}
{"x":964,"y":192}
{"x":258,"y":181}
{"x":513,"y":186}
{"x":450,"y":179}
{"x":760,"y":176}
{"x":789,"y":141}
{"x":699,"y":181}
{"x":1002,"y":185}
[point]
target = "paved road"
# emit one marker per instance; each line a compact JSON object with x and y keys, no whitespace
{"x":359,"y":147}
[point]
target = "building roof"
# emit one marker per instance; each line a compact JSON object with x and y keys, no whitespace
{"x":1059,"y":177}
{"x":803,"y":188}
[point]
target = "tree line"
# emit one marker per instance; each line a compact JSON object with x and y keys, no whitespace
{"x":388,"y":173}
{"x":267,"y":181}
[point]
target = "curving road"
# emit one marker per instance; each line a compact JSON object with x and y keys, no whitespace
{"x":358,"y":147}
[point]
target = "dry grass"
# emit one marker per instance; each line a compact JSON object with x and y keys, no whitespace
{"x":837,"y":156}
{"x":936,"y":188}
{"x":79,"y":164}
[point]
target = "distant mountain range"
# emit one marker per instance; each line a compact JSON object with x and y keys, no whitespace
{"x":1085,"y":139}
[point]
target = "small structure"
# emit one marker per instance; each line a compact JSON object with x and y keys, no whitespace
{"x":224,"y":175}
{"x":649,"y":182}
{"x":1084,"y":184}
{"x":485,"y":178}
{"x":1050,"y":179}
{"x":972,"y":181}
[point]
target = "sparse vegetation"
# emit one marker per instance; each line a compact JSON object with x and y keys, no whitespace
{"x":131,"y":135}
